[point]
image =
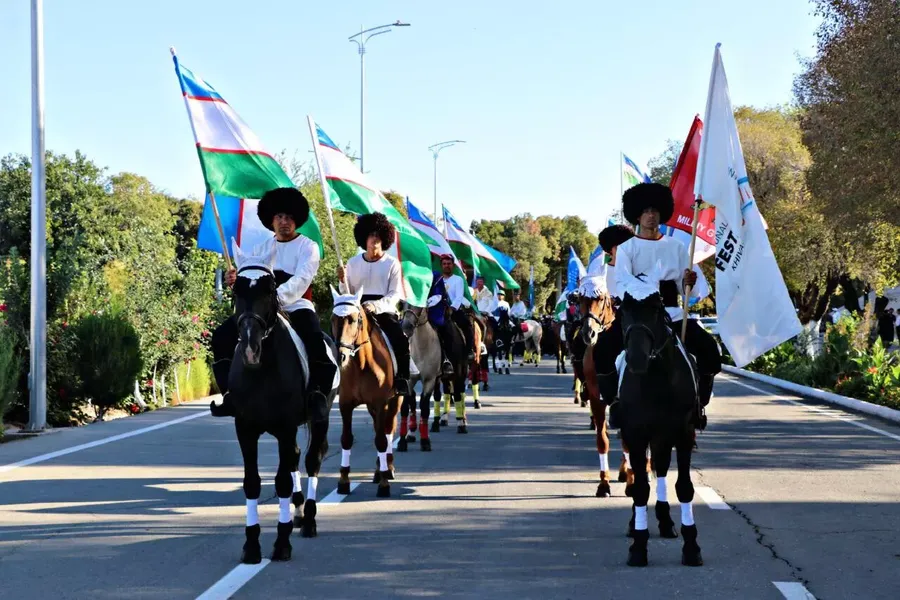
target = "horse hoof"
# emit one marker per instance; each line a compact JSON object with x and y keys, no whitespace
{"x":637,"y":557}
{"x":402,"y":445}
{"x":298,"y":521}
{"x":629,"y":490}
{"x":410,"y":438}
{"x":583,"y":404}
{"x":281,"y":553}
{"x":425,"y":445}
{"x":343,"y":488}
{"x":576,"y":401}
{"x":487,"y":388}
{"x":558,"y":371}
{"x":564,"y":371}
{"x":389,"y":474}
{"x":603,"y":490}
{"x":507,"y":370}
{"x":251,"y":555}
{"x":376,"y":478}
{"x":308,"y":530}
{"x":477,"y":404}
{"x":462,"y":429}
{"x":691,"y":559}
{"x":445,"y":422}
{"x":383,"y":491}
{"x":436,"y":426}
{"x":668,"y":532}
{"x":623,"y":476}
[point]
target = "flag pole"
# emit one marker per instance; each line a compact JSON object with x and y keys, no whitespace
{"x":325,"y":194}
{"x":212,"y":197}
{"x":698,"y":197}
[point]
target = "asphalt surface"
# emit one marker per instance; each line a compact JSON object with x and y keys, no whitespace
{"x":809,"y":498}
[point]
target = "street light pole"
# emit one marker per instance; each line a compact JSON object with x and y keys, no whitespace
{"x":435,"y":150}
{"x":37,"y":378}
{"x":360,"y":40}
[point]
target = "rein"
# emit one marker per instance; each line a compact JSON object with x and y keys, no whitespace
{"x":276,"y":310}
{"x":654,"y":352}
{"x":357,"y":345}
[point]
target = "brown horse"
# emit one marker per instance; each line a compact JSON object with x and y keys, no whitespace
{"x":476,"y":374}
{"x":598,"y":318}
{"x":367,"y":377}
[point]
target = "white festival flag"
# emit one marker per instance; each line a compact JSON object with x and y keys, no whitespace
{"x":754,"y":309}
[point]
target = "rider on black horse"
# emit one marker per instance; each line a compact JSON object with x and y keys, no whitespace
{"x":283,"y":211}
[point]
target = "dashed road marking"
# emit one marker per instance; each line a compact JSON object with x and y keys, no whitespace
{"x":235,"y":579}
{"x":335,"y":498}
{"x":712,"y":499}
{"x":793,"y":591}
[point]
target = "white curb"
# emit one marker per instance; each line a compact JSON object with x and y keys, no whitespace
{"x":882,"y":412}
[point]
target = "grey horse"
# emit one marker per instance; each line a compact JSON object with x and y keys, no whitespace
{"x":425,"y":351}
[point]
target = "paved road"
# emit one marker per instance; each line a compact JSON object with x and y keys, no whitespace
{"x":805,"y":498}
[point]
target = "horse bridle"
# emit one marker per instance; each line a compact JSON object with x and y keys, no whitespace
{"x":266,"y":327}
{"x":355,"y":347}
{"x":654,"y":351}
{"x":419,"y":322}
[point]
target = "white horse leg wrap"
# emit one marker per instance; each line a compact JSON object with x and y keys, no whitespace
{"x":382,"y":460}
{"x":284,"y":510}
{"x":312,"y":484}
{"x":627,"y":460}
{"x":604,"y":462}
{"x":390,"y":440}
{"x":252,"y":513}
{"x":295,"y":476}
{"x":662,"y":494}
{"x":640,"y":518}
{"x":345,"y":458}
{"x":687,"y":514}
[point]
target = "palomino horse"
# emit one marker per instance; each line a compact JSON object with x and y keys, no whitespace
{"x":475,"y":374}
{"x":659,"y":410}
{"x":367,"y":377}
{"x":425,"y":350}
{"x":267,"y":385}
{"x":487,"y":341}
{"x":530,"y":333}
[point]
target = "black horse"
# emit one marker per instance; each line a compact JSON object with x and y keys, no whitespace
{"x":267,"y":386}
{"x":502,"y":346}
{"x":659,"y":411}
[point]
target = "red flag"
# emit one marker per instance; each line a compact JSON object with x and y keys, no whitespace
{"x":682,"y":186}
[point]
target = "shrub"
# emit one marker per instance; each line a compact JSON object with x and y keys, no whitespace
{"x":10,"y":370}
{"x":107,"y":358}
{"x":193,"y":381}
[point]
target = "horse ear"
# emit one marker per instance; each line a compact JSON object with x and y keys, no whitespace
{"x":334,"y":294}
{"x":236,"y":253}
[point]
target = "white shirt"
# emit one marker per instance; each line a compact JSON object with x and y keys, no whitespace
{"x":298,"y":257}
{"x":456,"y":290}
{"x":638,"y":256}
{"x":379,"y":278}
{"x":484,"y":299}
{"x":501,"y":305}
{"x":518,"y":310}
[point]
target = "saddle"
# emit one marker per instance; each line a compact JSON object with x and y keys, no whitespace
{"x":413,"y":369}
{"x":689,"y":358}
{"x":304,"y":357}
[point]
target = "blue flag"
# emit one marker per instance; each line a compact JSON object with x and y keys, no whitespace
{"x":575,"y":272}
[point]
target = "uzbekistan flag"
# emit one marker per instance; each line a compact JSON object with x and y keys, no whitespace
{"x":235,"y":164}
{"x":631,"y":174}
{"x":472,"y":252}
{"x":349,"y":190}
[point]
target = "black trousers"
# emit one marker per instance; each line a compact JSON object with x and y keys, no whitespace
{"x":390,"y":325}
{"x":305,"y":323}
{"x":462,"y":320}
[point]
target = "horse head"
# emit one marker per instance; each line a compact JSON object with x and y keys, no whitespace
{"x":349,"y":325}
{"x":646,"y":331}
{"x":413,"y":317}
{"x":596,"y":309}
{"x":256,"y":302}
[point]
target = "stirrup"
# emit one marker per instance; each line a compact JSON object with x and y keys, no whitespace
{"x":402,"y":387}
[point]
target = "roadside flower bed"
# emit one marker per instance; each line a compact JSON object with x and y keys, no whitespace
{"x":848,"y":364}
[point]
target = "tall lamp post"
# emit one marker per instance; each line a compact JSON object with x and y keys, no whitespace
{"x":435,"y":150}
{"x":37,"y":377}
{"x":360,"y":40}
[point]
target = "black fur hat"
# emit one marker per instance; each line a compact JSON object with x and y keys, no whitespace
{"x":647,"y":195}
{"x":613,"y":236}
{"x":286,"y":200}
{"x":377,"y":223}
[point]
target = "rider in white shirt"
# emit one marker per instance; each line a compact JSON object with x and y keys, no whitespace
{"x":378,"y":275}
{"x":502,"y":305}
{"x":455,"y":287}
{"x":484,"y":299}
{"x":518,"y":311}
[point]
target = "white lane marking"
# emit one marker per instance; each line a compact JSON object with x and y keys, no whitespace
{"x":712,"y":499}
{"x":834,"y":414}
{"x":51,"y":455}
{"x":793,"y":591}
{"x":335,"y":498}
{"x":235,"y":579}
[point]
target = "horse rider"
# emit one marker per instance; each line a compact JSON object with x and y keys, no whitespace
{"x":455,"y":287}
{"x":502,"y":305}
{"x":378,"y":275}
{"x":519,"y":311}
{"x":648,"y":205}
{"x":283,"y":211}
{"x":484,"y":299}
{"x":610,"y":343}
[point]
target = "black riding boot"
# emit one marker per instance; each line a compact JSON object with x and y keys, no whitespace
{"x":317,"y":400}
{"x":705,"y":385}
{"x":221,"y":368}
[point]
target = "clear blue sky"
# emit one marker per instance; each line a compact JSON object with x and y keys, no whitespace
{"x":546,"y":94}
